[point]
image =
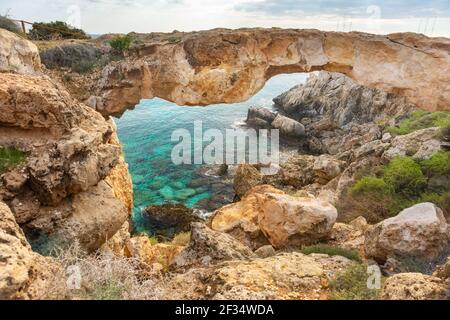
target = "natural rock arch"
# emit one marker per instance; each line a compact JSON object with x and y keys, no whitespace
{"x":226,"y":66}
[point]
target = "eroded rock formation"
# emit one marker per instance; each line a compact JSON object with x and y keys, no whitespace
{"x":221,"y":65}
{"x":73,"y":184}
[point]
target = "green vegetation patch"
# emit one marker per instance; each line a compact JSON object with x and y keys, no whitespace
{"x":8,"y":24}
{"x":120,"y":43}
{"x":400,"y":184}
{"x":10,"y":157}
{"x":421,"y":120}
{"x":331,"y":251}
{"x":351,"y":284}
{"x":55,"y":31}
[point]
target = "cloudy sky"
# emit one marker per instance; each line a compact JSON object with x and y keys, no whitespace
{"x":101,"y":16}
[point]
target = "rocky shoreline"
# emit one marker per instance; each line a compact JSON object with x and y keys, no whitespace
{"x":368,"y":190}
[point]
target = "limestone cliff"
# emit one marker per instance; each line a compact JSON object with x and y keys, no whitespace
{"x":74,"y":184}
{"x":221,"y":65}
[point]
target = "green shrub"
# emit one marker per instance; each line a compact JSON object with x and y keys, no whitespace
{"x":351,"y":284}
{"x":438,"y":164}
{"x":153,"y":240}
{"x":8,"y":24}
{"x":331,"y":251}
{"x":371,"y":185}
{"x":402,"y":183}
{"x":404,"y":175}
{"x":120,"y":43}
{"x":421,"y":120}
{"x":55,"y":31}
{"x":10,"y":157}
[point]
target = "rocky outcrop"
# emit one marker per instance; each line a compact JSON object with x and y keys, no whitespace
{"x":414,"y":286}
{"x":338,"y":114}
{"x":155,"y":256}
{"x":419,"y":232}
{"x":284,"y":276}
{"x":267,"y":214}
{"x":74,"y":184}
{"x":208,"y":247}
{"x":23,"y":273}
{"x":420,"y":144}
{"x":245,"y":178}
{"x":17,"y":54}
{"x":224,"y":66}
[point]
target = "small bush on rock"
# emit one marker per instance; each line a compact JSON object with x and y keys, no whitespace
{"x":182,"y":239}
{"x":120,"y":43}
{"x":421,"y":120}
{"x":351,"y":284}
{"x":10,"y":157}
{"x":404,"y":175}
{"x":55,"y":30}
{"x":402,"y":183}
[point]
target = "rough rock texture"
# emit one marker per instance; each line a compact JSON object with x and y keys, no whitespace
{"x":240,"y":219}
{"x":287,"y":220}
{"x":288,"y":127}
{"x":170,"y":219}
{"x":245,"y":178}
{"x":208,"y":246}
{"x":414,"y":286}
{"x":420,"y":231}
{"x":267,"y":213}
{"x":223,"y":65}
{"x":23,"y":273}
{"x":420,"y":144}
{"x":148,"y":254}
{"x":17,"y":54}
{"x":338,"y":114}
{"x":74,"y":184}
{"x":284,"y":276}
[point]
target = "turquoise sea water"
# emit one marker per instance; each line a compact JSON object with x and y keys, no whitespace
{"x":145,"y":133}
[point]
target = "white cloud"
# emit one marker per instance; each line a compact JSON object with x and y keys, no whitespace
{"x":101,"y":16}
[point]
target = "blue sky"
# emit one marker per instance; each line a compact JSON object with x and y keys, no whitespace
{"x":100,"y":16}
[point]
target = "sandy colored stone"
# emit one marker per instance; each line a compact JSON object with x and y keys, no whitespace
{"x":18,"y":54}
{"x":414,"y":286}
{"x":226,"y":66}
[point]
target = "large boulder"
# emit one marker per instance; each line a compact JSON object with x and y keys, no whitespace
{"x":260,"y":117}
{"x":18,"y":54}
{"x":208,"y":246}
{"x":267,"y":214}
{"x":298,"y":171}
{"x":414,"y":286}
{"x":288,"y":127}
{"x":419,"y":232}
{"x":287,"y":220}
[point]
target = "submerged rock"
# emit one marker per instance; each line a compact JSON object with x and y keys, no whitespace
{"x":168,"y":220}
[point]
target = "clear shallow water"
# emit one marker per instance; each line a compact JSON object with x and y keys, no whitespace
{"x":145,"y":133}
